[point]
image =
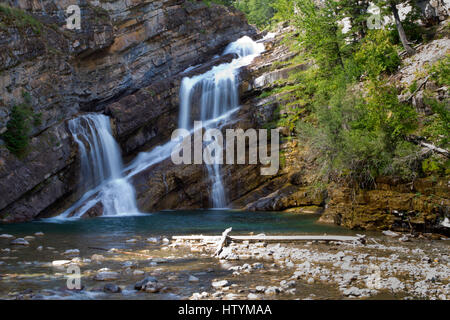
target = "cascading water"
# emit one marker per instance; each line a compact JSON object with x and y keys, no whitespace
{"x":219,"y":93}
{"x":105,"y":181}
{"x":101,"y":169}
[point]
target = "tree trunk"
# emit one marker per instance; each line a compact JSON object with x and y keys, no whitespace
{"x":400,"y":30}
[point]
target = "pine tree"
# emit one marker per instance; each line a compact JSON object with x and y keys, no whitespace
{"x":391,"y":7}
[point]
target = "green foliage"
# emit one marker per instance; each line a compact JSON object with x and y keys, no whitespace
{"x":320,"y":33}
{"x":376,"y":54}
{"x":440,"y":71}
{"x":258,"y":12}
{"x":19,"y":126}
{"x":437,"y":127}
{"x":435,"y":166}
{"x":19,"y":18}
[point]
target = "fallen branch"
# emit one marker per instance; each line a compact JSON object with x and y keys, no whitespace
{"x":223,"y":241}
{"x":270,"y":238}
{"x":417,"y":90}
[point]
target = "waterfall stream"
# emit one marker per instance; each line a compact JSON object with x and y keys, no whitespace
{"x":219,"y":93}
{"x":102,"y":178}
{"x":106,"y":181}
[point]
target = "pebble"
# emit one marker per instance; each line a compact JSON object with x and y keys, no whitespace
{"x":193,"y":279}
{"x":97,"y":257}
{"x":138,"y":272}
{"x":71,"y":252}
{"x":20,"y":241}
{"x":253,"y":296}
{"x":106,"y":276}
{"x":58,"y":263}
{"x":6,"y":236}
{"x":39,"y":234}
{"x":112,"y":288}
{"x":219,"y":284}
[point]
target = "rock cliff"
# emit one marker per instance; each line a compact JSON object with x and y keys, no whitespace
{"x":122,"y":46}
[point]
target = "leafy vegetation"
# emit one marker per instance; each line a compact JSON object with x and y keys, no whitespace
{"x":345,"y":107}
{"x":18,"y":128}
{"x":19,"y":18}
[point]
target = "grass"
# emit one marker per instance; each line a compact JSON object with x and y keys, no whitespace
{"x":19,"y":18}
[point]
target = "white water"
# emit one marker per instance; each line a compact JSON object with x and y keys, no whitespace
{"x":101,"y":169}
{"x":218,"y":91}
{"x":104,"y":178}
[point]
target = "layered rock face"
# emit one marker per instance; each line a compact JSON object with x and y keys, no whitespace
{"x":122,"y":46}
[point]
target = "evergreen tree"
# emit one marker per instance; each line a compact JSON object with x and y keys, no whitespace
{"x":391,"y":7}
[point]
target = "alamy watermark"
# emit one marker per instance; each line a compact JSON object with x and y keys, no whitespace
{"x":73,"y":20}
{"x":209,"y":148}
{"x":74,"y":277}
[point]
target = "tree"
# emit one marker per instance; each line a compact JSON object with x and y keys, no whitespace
{"x":391,"y":6}
{"x":320,"y":32}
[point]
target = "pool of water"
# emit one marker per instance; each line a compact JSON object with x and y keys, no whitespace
{"x":29,"y":268}
{"x":178,"y":222}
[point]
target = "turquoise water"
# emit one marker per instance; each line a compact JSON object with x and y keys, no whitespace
{"x":179,"y":222}
{"x":29,"y":267}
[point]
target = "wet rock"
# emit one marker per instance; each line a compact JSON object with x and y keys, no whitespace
{"x":131,"y":241}
{"x":112,"y":288}
{"x":391,"y":234}
{"x":219,"y":284}
{"x":106,"y":276}
{"x":97,"y":257}
{"x":140,"y":285}
{"x":58,"y":263}
{"x":193,"y":279}
{"x":39,"y":234}
{"x":20,"y":242}
{"x":260,"y":288}
{"x":404,"y":238}
{"x":6,"y":236}
{"x":71,"y":252}
{"x":138,"y":273}
{"x":40,"y":248}
{"x":272,"y":291}
{"x":253,"y":296}
{"x":153,"y":240}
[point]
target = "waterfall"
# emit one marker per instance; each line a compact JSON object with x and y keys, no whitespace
{"x":219,"y":93}
{"x":101,"y":169}
{"x":104,"y":179}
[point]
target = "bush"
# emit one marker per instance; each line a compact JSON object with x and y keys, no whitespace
{"x":19,"y":126}
{"x":377,"y":54}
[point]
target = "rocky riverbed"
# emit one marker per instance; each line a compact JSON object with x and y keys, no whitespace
{"x":387,"y":266}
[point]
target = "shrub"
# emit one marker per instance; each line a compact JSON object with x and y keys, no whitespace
{"x":377,"y":54}
{"x":19,"y":126}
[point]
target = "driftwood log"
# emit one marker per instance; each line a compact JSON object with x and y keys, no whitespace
{"x":221,"y":241}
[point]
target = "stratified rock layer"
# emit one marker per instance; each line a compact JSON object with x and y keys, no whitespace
{"x":122,"y":46}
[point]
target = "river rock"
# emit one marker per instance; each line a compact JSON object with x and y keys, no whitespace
{"x":6,"y":236}
{"x":20,"y":242}
{"x":391,"y":234}
{"x":106,"y":276}
{"x":39,"y":234}
{"x":71,"y":252}
{"x":97,"y":257}
{"x":193,"y":279}
{"x":58,"y":263}
{"x":219,"y":284}
{"x":112,"y":288}
{"x":140,"y":285}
